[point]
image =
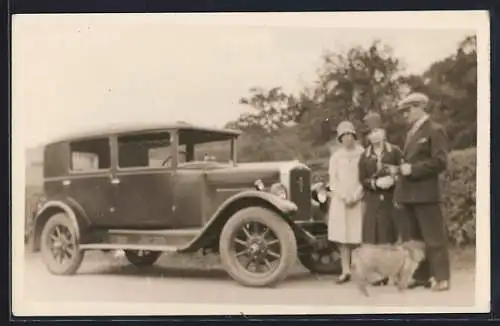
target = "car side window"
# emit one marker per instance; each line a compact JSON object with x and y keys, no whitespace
{"x":90,"y":155}
{"x":143,"y":151}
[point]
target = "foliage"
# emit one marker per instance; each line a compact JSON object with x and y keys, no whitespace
{"x":349,"y":85}
{"x":33,"y":196}
{"x":452,"y":86}
{"x":458,"y":186}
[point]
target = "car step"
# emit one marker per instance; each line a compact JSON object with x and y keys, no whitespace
{"x":110,"y":246}
{"x":167,"y":232}
{"x":162,"y":240}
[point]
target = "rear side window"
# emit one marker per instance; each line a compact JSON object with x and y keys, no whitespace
{"x":90,"y":155}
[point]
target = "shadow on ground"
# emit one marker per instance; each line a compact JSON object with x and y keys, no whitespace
{"x":174,"y":272}
{"x":172,"y":267}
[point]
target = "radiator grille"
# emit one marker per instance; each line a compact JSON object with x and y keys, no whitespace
{"x":300,"y":191}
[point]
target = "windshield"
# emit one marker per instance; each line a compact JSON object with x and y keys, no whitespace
{"x":205,"y":146}
{"x":214,"y":151}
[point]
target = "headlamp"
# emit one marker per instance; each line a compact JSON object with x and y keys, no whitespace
{"x":259,"y":185}
{"x":321,"y":195}
{"x":279,"y":190}
{"x":320,"y":192}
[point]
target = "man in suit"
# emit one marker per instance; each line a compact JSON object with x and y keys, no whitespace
{"x":417,"y":194}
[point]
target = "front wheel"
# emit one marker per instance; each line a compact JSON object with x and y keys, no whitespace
{"x":142,"y":258}
{"x":257,"y":247}
{"x":59,"y":245}
{"x":325,"y":259}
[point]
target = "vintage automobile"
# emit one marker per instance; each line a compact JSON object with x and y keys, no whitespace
{"x":105,"y":190}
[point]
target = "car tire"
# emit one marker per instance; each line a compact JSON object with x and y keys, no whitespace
{"x":315,"y":262}
{"x":278,"y":237}
{"x":59,"y":239}
{"x":146,"y":259}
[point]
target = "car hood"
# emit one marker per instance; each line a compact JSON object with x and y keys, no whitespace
{"x":244,"y":174}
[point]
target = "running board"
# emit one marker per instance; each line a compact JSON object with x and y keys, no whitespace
{"x":158,"y":240}
{"x":109,"y":246}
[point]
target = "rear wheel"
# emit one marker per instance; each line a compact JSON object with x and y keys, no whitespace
{"x":257,"y":247}
{"x":59,"y":245}
{"x":142,"y":258}
{"x":324,"y":259}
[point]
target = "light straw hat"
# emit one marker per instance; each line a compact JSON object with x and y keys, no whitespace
{"x":413,"y":98}
{"x":345,"y":127}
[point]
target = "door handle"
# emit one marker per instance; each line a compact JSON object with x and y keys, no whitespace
{"x":115,"y":181}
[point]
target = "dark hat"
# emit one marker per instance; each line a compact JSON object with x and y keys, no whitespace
{"x":373,"y":120}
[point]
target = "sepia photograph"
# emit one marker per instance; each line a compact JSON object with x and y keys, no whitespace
{"x":250,"y":163}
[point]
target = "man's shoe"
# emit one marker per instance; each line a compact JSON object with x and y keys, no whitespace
{"x":417,"y":283}
{"x":441,"y":286}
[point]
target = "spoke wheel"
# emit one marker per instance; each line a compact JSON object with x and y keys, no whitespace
{"x":60,"y":247}
{"x":322,"y":260}
{"x":142,"y":258}
{"x":257,"y":247}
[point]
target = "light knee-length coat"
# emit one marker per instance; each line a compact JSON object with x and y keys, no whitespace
{"x":345,"y":223}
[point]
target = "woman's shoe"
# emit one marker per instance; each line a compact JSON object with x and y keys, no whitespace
{"x":343,"y":278}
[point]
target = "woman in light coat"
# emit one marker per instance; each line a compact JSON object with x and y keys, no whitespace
{"x":346,"y":205}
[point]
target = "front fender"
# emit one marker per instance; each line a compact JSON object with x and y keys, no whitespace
{"x":230,"y":206}
{"x":285,"y":206}
{"x":68,"y":206}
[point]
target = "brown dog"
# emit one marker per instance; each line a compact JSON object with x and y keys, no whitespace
{"x":397,"y":262}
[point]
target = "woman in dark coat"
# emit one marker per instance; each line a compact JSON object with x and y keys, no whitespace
{"x":377,"y":173}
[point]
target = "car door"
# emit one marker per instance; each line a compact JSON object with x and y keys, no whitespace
{"x":143,"y":192}
{"x":143,"y":198}
{"x":88,"y":182}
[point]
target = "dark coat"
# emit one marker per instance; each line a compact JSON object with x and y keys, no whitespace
{"x":426,"y":150}
{"x":379,"y":224}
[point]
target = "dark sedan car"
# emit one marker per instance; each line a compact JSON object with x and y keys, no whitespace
{"x":151,"y":189}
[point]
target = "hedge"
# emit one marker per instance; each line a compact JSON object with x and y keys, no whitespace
{"x":458,"y":185}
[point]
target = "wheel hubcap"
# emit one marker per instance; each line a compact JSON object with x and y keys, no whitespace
{"x":61,"y":244}
{"x":257,"y":246}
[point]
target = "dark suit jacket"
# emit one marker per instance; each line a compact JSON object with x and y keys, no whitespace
{"x":427,"y":152}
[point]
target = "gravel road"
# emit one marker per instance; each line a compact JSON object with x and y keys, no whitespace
{"x":104,"y":278}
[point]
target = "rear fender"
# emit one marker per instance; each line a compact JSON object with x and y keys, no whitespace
{"x":63,"y":205}
{"x":212,"y":229}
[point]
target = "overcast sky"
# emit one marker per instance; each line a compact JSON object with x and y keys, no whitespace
{"x":87,"y":71}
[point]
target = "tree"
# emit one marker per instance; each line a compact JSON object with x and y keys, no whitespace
{"x":351,"y":84}
{"x":275,"y":110}
{"x":451,"y":85}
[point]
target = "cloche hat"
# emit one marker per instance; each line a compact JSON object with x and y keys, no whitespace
{"x":373,"y":120}
{"x":345,"y":127}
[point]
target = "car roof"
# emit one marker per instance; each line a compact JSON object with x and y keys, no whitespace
{"x":138,"y":128}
